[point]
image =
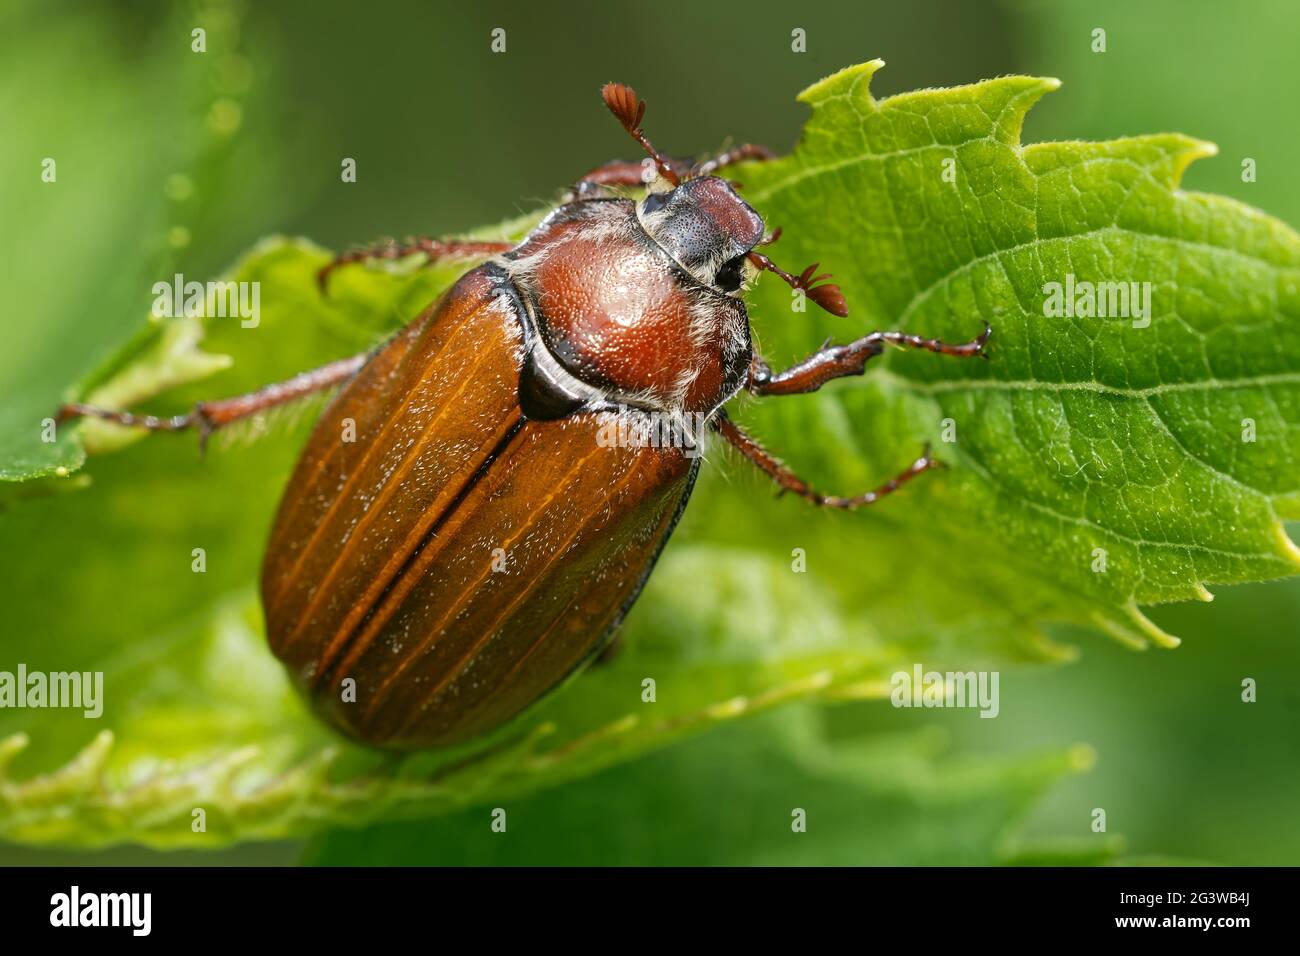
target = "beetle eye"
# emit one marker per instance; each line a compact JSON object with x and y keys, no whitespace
{"x":653,"y":202}
{"x":729,"y":276}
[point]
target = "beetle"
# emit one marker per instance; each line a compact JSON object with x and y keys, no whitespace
{"x":480,"y":540}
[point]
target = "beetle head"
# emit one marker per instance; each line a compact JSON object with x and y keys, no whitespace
{"x":706,"y":227}
{"x":703,"y":224}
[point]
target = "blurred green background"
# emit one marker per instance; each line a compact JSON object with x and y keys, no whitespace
{"x":448,"y":135}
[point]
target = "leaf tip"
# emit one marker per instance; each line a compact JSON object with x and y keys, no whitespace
{"x":94,"y":755}
{"x":848,"y":81}
{"x":1135,"y":629}
{"x":1197,"y":149}
{"x":1014,"y":97}
{"x":1150,"y":630}
{"x":10,"y":748}
{"x":1185,"y":151}
{"x":1286,"y":544}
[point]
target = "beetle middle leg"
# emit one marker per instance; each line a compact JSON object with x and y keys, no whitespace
{"x":434,"y":249}
{"x":837,"y":361}
{"x":207,"y":417}
{"x":789,"y":481}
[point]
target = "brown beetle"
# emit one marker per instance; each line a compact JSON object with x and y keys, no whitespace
{"x":488,"y":529}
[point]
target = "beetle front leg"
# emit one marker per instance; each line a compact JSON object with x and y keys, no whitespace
{"x":434,"y":249}
{"x":207,"y":417}
{"x":789,"y":481}
{"x":838,"y":361}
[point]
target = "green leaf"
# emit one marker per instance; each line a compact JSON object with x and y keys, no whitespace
{"x":1079,"y":434}
{"x":730,"y":799}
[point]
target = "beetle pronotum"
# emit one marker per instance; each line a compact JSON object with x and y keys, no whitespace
{"x":478,"y":437}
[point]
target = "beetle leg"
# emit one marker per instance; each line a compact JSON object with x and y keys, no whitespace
{"x":836,"y":361}
{"x":435,"y":249}
{"x":623,"y":173}
{"x":789,"y":481}
{"x":207,"y":417}
{"x":737,"y":154}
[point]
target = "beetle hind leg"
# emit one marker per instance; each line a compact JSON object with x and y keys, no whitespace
{"x":208,"y":417}
{"x":433,"y":249}
{"x":787,"y":480}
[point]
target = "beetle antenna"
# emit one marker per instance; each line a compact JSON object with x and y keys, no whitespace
{"x":629,"y":109}
{"x":827,"y":296}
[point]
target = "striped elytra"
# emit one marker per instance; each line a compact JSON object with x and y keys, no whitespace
{"x":458,"y":559}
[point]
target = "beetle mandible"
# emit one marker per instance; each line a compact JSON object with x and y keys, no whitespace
{"x":479,"y":542}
